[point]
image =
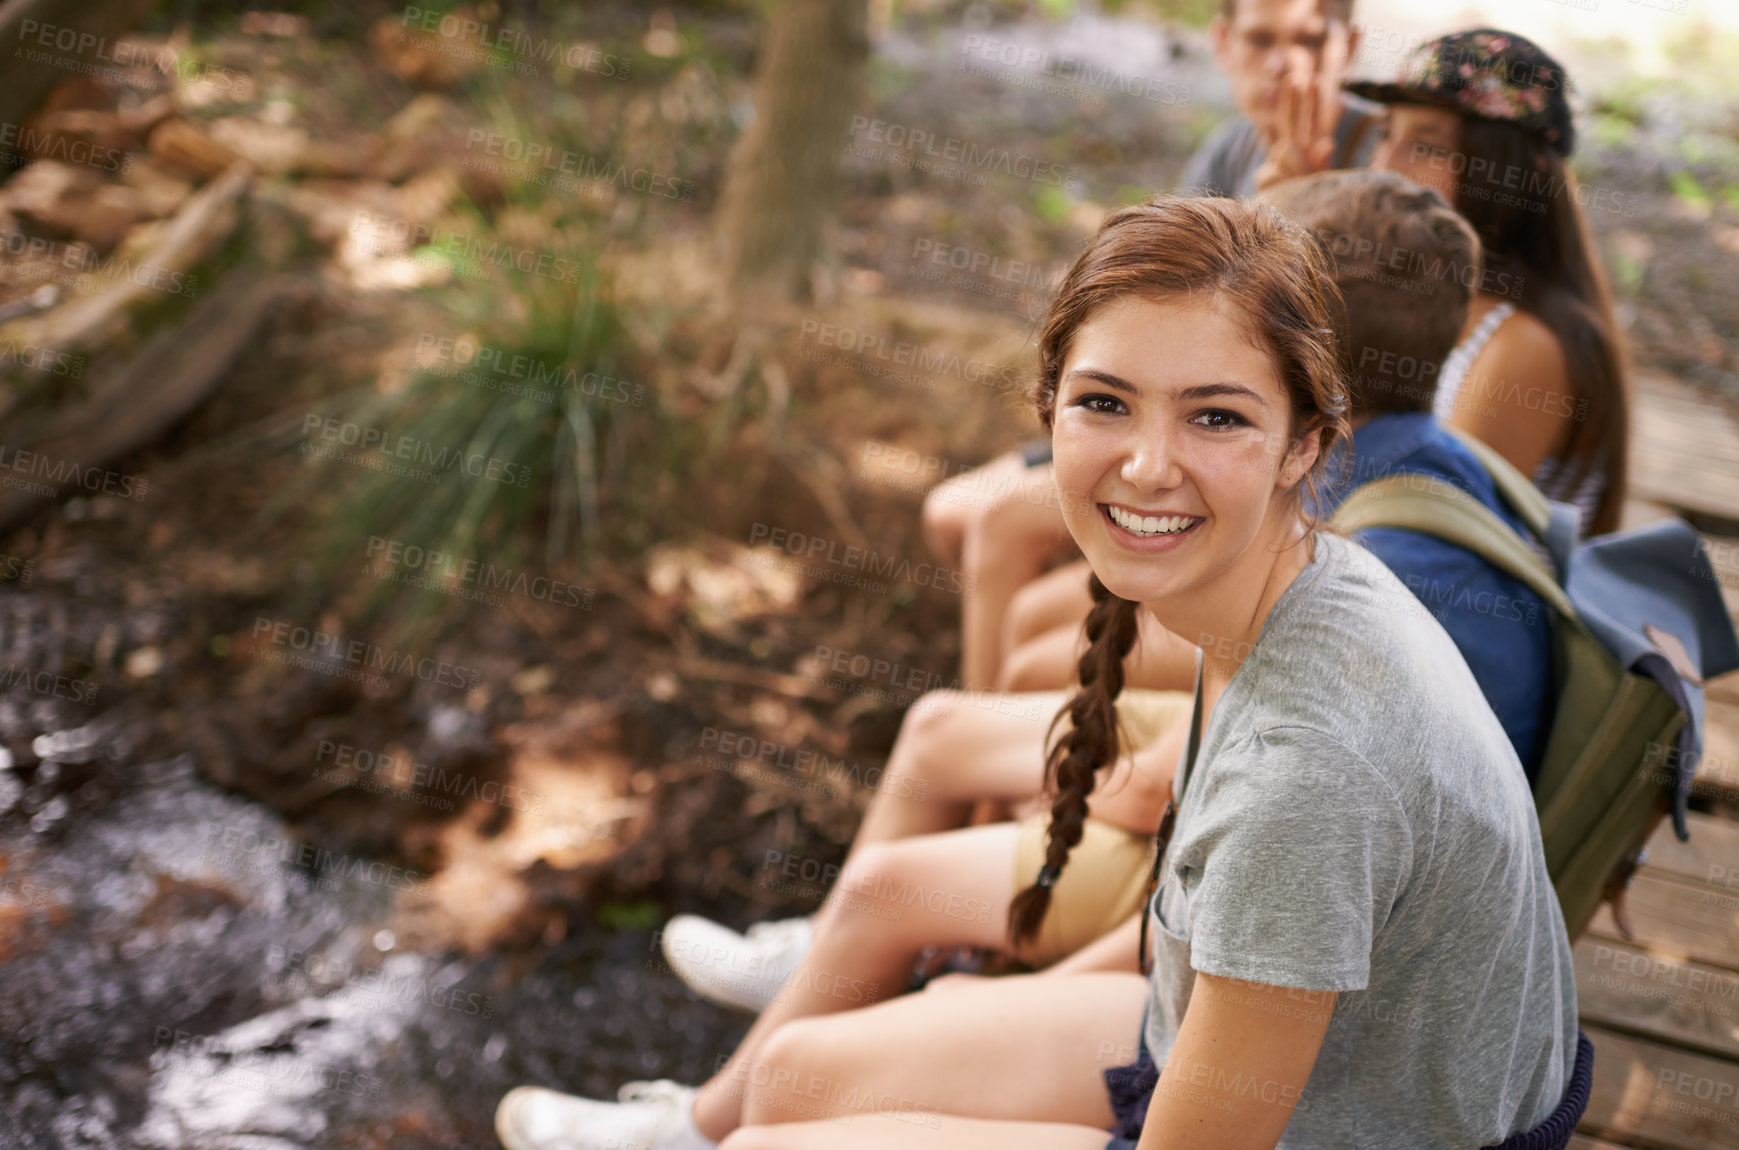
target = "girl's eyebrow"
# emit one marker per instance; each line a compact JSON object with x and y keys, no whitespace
{"x":1115,"y":382}
{"x":1190,"y":394}
{"x":1216,"y":390}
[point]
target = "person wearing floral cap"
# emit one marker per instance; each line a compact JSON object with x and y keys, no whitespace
{"x":1540,"y":374}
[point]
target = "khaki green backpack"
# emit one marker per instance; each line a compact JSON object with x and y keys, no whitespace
{"x":1623,"y":737}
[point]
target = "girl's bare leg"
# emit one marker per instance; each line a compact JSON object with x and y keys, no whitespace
{"x":1058,"y":598}
{"x":955,"y":748}
{"x":1049,"y":661}
{"x":954,"y":505}
{"x":1160,"y":661}
{"x":1008,"y":547}
{"x":890,"y":902}
{"x":1025,"y":1048}
{"x":916,"y":1132}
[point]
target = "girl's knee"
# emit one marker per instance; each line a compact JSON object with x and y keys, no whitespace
{"x":1035,"y":667}
{"x":945,"y":521}
{"x":792,"y":1055}
{"x":873,"y":871}
{"x":930,"y":726}
{"x":1028,"y":614}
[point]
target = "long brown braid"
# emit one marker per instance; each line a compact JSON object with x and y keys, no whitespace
{"x":1092,"y":740}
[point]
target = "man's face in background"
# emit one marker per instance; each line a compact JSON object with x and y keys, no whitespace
{"x":1267,"y":43}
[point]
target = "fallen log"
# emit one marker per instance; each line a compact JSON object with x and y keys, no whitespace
{"x":136,"y":402}
{"x":103,"y":319}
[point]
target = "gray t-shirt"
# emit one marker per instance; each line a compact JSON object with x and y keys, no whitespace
{"x":1225,"y":164}
{"x":1357,"y":821}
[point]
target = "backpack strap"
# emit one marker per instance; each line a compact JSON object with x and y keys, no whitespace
{"x":1423,"y":503}
{"x":1557,"y":525}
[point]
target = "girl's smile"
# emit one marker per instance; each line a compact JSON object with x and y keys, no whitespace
{"x":1150,"y":531}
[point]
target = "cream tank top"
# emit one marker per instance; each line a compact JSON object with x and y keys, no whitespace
{"x":1550,"y":476}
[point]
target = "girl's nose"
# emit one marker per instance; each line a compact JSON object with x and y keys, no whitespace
{"x":1152,"y":463}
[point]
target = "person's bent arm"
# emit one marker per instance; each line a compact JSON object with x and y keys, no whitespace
{"x":1239,"y":1066}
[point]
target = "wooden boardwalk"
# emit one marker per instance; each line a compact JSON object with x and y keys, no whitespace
{"x":1663,"y":1009}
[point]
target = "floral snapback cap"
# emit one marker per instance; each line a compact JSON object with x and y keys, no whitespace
{"x":1486,"y":73}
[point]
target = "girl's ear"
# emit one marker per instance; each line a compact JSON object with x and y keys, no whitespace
{"x":1301,"y":457}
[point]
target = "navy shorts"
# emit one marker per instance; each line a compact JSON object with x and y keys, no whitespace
{"x":1131,"y":1089}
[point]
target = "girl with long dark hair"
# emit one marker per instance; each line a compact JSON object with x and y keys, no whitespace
{"x":1540,"y":373}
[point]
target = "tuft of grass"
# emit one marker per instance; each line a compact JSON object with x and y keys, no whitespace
{"x":526,"y":428}
{"x":554,"y":397}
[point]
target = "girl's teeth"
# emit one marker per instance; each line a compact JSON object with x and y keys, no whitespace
{"x":1150,"y":524}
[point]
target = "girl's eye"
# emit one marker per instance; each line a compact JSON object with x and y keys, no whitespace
{"x":1104,"y":404}
{"x":1219,"y":419}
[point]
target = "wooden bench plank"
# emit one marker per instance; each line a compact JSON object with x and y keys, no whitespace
{"x":1641,"y":512}
{"x":1712,"y":855}
{"x":1629,"y":988}
{"x":1721,"y":734}
{"x":1717,"y":774}
{"x":1724,"y":559}
{"x":1653,"y":1096}
{"x":1695,"y":920}
{"x":1684,"y":449}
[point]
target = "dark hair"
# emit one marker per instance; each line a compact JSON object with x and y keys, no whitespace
{"x":1406,"y":265}
{"x":1341,"y":10}
{"x":1275,"y":280}
{"x":1537,"y":236}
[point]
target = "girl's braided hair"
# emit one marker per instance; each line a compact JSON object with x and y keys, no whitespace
{"x":1277,"y":279}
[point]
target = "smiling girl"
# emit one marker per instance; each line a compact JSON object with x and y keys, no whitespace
{"x":1354,"y":939}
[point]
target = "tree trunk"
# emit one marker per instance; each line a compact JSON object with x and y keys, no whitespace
{"x":43,"y":42}
{"x":784,"y":171}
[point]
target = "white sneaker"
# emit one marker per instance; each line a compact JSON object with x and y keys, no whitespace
{"x":649,"y":1116}
{"x":745,"y":972}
